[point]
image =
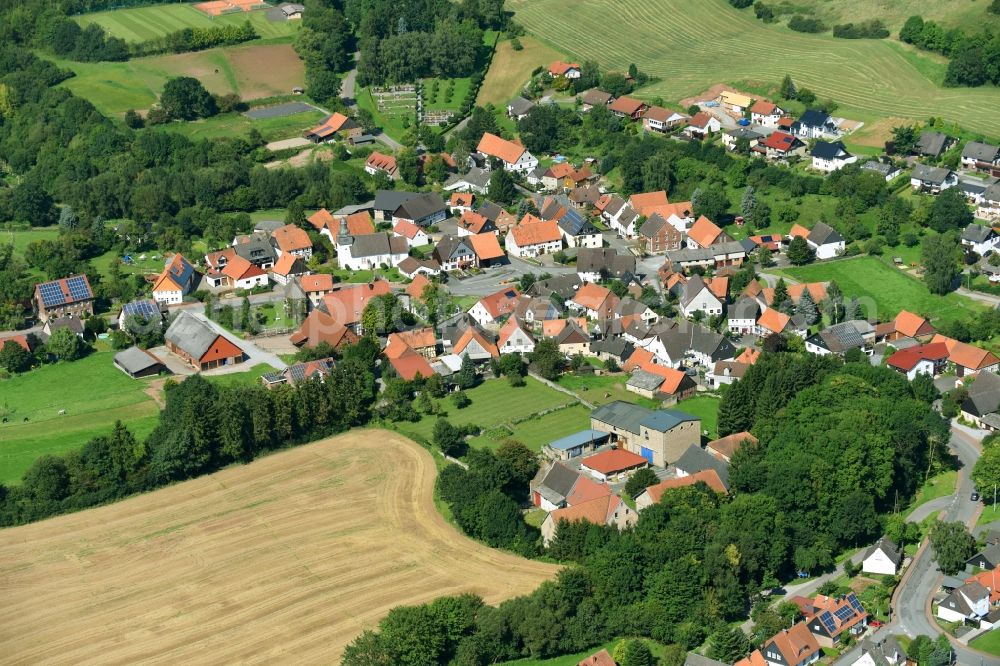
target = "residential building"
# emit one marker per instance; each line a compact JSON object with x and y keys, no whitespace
{"x":143,"y":310}
{"x":595,"y":301}
{"x":297,"y":373}
{"x":906,"y":325}
{"x":653,"y":494}
{"x":519,"y":107}
{"x":815,"y":124}
{"x":824,"y":239}
{"x":594,"y":97}
{"x":461,"y":202}
{"x":514,"y":338}
{"x":476,"y":344}
{"x":795,"y":646}
{"x":420,"y":340}
{"x":175,"y":282}
{"x":454,"y":253}
{"x":359,"y":253}
{"x":704,"y":233}
{"x":628,"y":107}
{"x":726,"y":447}
{"x":831,"y":156}
{"x":698,"y":297}
{"x":289,"y":239}
{"x":612,"y":464}
{"x":315,"y":287}
{"x":240,"y":273}
{"x":287,"y":268}
{"x":932,"y":179}
{"x":780,"y":146}
{"x":381,"y":163}
{"x":487,"y":249}
{"x":657,"y":235}
{"x":696,"y":459}
{"x":978,"y":156}
{"x":881,"y":652}
{"x":599,"y":658}
{"x":702,"y":124}
{"x":980,"y":239}
{"x":732,"y":138}
{"x":839,"y":338}
{"x":198,"y":344}
{"x":415,"y":236}
{"x":474,"y":223}
{"x":605,"y":510}
{"x":68,"y":297}
{"x":884,"y":557}
{"x":604,"y":263}
{"x":573,"y":339}
{"x":534,"y":237}
{"x":496,"y":307}
{"x":474,"y":180}
{"x":513,"y":156}
{"x":566,"y":70}
{"x":742,"y":316}
{"x":347,"y":304}
{"x":968,"y":602}
{"x":929,"y":359}
{"x":966,"y":359}
{"x":658,"y":119}
{"x":886,"y":169}
{"x":577,"y":230}
{"x":765,"y":113}
{"x":932,"y":144}
{"x":983,"y":401}
{"x":423,"y":210}
{"x":319,"y":327}
{"x":659,"y":436}
{"x":831,"y":619}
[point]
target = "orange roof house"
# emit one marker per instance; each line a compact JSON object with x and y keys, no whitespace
{"x":417,"y":339}
{"x":612,"y":463}
{"x":991,"y":581}
{"x":290,"y":238}
{"x":628,"y":106}
{"x":705,"y":233}
{"x":487,"y":247}
{"x":462,"y":200}
{"x":796,"y":645}
{"x":500,"y":148}
{"x":286,"y":266}
{"x":773,"y":321}
{"x":501,"y":303}
{"x":644,"y":203}
{"x":176,"y":276}
{"x":19,"y":340}
{"x":719,"y":286}
{"x":321,"y":282}
{"x":709,"y":477}
{"x":595,"y":299}
{"x":238,"y":268}
{"x":763,"y":108}
{"x":474,"y":223}
{"x":416,"y":288}
{"x":323,"y":219}
{"x":798,"y":231}
{"x":601,"y":658}
{"x":410,"y":365}
{"x":345,"y":305}
{"x":320,"y":327}
{"x":560,"y":68}
{"x":749,"y":356}
{"x":472,"y":334}
{"x":968,"y":358}
{"x":536,"y":233}
{"x":910,"y":325}
{"x":381,"y":162}
{"x":726,"y":447}
{"x":553,"y":327}
{"x":334,"y":123}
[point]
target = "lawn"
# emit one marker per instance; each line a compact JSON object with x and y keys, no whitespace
{"x":239,"y":125}
{"x":39,"y":396}
{"x":246,"y":377}
{"x":883,"y":289}
{"x":602,"y":389}
{"x":494,"y":402}
{"x":20,"y":239}
{"x":988,"y":642}
{"x":537,"y":432}
{"x":252,"y":71}
{"x":989,"y":514}
{"x":442,"y":100}
{"x":869,"y":79}
{"x":141,"y":24}
{"x":939,"y":485}
{"x":511,"y":69}
{"x":705,"y":407}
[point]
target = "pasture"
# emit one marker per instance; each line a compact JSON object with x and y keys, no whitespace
{"x":21,"y":239}
{"x":511,"y":69}
{"x":690,"y":46}
{"x":883,"y":289}
{"x":251,"y":71}
{"x":141,"y":24}
{"x":239,"y":125}
{"x":40,"y":394}
{"x":286,"y":559}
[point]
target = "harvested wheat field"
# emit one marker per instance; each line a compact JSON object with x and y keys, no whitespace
{"x":283,"y":560}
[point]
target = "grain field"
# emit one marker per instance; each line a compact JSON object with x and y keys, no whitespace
{"x":284,"y":560}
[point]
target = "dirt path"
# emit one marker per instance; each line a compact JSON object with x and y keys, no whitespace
{"x":283,"y":560}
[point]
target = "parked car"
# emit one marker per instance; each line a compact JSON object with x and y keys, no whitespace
{"x":875,"y":623}
{"x":975,"y":496}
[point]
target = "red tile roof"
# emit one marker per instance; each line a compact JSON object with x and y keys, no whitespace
{"x":495,"y":146}
{"x":907,"y":359}
{"x":613,"y":461}
{"x":346,"y":305}
{"x":536,"y":233}
{"x":559,"y":68}
{"x":704,"y":232}
{"x":290,"y":238}
{"x":318,"y":282}
{"x":912,"y":325}
{"x":780,"y":141}
{"x":709,"y":477}
{"x":486,"y":246}
{"x":416,"y":288}
{"x":500,"y":303}
{"x":627,"y":105}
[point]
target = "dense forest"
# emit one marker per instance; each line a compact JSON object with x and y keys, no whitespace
{"x":850,"y":433}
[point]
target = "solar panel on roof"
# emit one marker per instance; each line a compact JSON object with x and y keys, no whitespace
{"x":828,"y":622}
{"x":51,"y":294}
{"x":844,"y":613}
{"x":78,"y":289}
{"x":146,"y":309}
{"x":856,"y":604}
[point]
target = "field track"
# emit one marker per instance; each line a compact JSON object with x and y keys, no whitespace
{"x":284,"y":560}
{"x":690,"y":46}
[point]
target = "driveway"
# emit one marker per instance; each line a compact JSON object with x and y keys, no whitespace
{"x":347,"y":85}
{"x":255,"y":355}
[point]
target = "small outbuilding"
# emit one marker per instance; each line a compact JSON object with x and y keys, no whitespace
{"x":136,"y":363}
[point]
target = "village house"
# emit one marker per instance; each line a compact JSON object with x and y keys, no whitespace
{"x":197,"y":343}
{"x":925,"y":178}
{"x":176,"y":281}
{"x":905,"y":325}
{"x":831,"y":156}
{"x":980,"y":239}
{"x":815,"y":124}
{"x":320,"y":327}
{"x":477,"y":344}
{"x":573,"y":339}
{"x":652,"y":494}
{"x":334,"y":126}
{"x":514,"y":156}
{"x":514,"y":338}
{"x":533,"y":237}
{"x":612,"y":465}
{"x":496,"y":307}
{"x":881,"y":652}
{"x":721,"y":254}
{"x":731,"y":139}
{"x":831,"y":619}
{"x":315,"y":287}
{"x":299,"y":372}
{"x":144,"y":311}
{"x":605,"y":510}
{"x":701,"y":125}
{"x":381,"y":163}
{"x":659,"y":436}
{"x":795,"y":646}
{"x":475,"y":180}
{"x":966,"y":359}
{"x":287,"y":268}
{"x":735,"y":103}
{"x":347,"y":304}
{"x":519,"y":107}
{"x":929,"y":359}
{"x":779,"y":146}
{"x":741,"y":317}
{"x":765,"y":113}
{"x":358,"y":253}
{"x":604,"y":263}
{"x":704,"y":233}
{"x":839,"y":338}
{"x":415,"y":236}
{"x":726,"y":447}
{"x":566,"y":70}
{"x":886,"y":169}
{"x":697,"y":297}
{"x":883,"y":557}
{"x":594,"y":97}
{"x":424,"y":210}
{"x":989,"y":205}
{"x":657,"y":235}
{"x":628,"y":107}
{"x":289,"y":239}
{"x":420,"y":340}
{"x":68,"y":297}
{"x":594,"y":301}
{"x":659,"y":119}
{"x":968,"y":602}
{"x":978,"y":156}
{"x":461,"y":202}
{"x":239,"y":273}
{"x":474,"y":223}
{"x":454,"y":253}
{"x":983,"y":401}
{"x":824,"y":239}
{"x":932,"y":144}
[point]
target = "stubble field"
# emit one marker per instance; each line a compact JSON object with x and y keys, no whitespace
{"x":283,"y":560}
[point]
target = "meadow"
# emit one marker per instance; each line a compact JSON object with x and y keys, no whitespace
{"x":537,"y":432}
{"x":141,"y":24}
{"x":706,"y":408}
{"x":239,"y":125}
{"x":251,"y":71}
{"x":883,"y":289}
{"x":285,"y":559}
{"x":21,"y":238}
{"x":511,"y":69}
{"x":39,"y":396}
{"x":689,"y":46}
{"x":970,"y":15}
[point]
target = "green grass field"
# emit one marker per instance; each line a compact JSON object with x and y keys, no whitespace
{"x":494,"y":402}
{"x":971,"y":15}
{"x":602,"y":389}
{"x":690,"y":46}
{"x":988,"y":642}
{"x":536,"y":433}
{"x":883,"y":289}
{"x":252,"y":71}
{"x":939,"y":485}
{"x":94,"y":394}
{"x":237,"y":125}
{"x":20,"y":239}
{"x":657,"y":649}
{"x":441,"y":101}
{"x":511,"y":69}
{"x":705,"y":407}
{"x":144,"y":23}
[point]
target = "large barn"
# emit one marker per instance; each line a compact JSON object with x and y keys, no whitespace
{"x":197,"y":343}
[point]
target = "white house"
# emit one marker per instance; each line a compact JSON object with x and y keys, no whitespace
{"x":495,"y":307}
{"x":765,"y":113}
{"x":932,"y":179}
{"x":969,"y":602}
{"x":881,"y":652}
{"x":831,"y":156}
{"x":980,"y":239}
{"x":989,"y":207}
{"x":175,"y":282}
{"x":532,"y":238}
{"x":824,"y":239}
{"x":697,"y":296}
{"x":369,"y":251}
{"x":514,"y":339}
{"x":514,"y":156}
{"x":885,"y":557}
{"x":742,"y":316}
{"x":414,"y":235}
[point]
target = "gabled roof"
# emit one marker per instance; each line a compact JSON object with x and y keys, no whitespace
{"x":984,"y":395}
{"x":529,"y":233}
{"x":486,"y":246}
{"x":631,"y":417}
{"x":600,"y":658}
{"x":626,"y":105}
{"x":132,"y":360}
{"x":520,"y":106}
{"x":320,"y":327}
{"x":981,"y":152}
{"x":421,"y":206}
{"x":176,"y":276}
{"x":728,"y":446}
{"x":912,"y":325}
{"x":239,"y":268}
{"x":781,"y":142}
{"x":332,"y":124}
{"x":613,"y":461}
{"x":572,"y":334}
{"x":814,"y":118}
{"x":374,"y":245}
{"x":464,"y":199}
{"x":504,"y":150}
{"x":907,"y":359}
{"x":475,"y":223}
{"x":823,"y":234}
{"x":978,"y":233}
{"x":644,"y":201}
{"x":381,"y":162}
{"x":595,"y":97}
{"x":774,"y":320}
{"x":453,"y":247}
{"x":191,"y":334}
{"x":559,"y":68}
{"x":500,"y":303}
{"x":322,"y":219}
{"x":931,"y":143}
{"x":704,"y":232}
{"x":700,"y":120}
{"x":409,"y":365}
{"x":887,"y":546}
{"x":290,"y":238}
{"x":416,"y":288}
{"x":592,"y":296}
{"x":346,"y":304}
{"x":709,"y":477}
{"x":826,"y":150}
{"x":289,"y":264}
{"x":794,"y":644}
{"x":930,"y":174}
{"x":406,"y":229}
{"x":764,"y":108}
{"x":696,"y":459}
{"x":966,"y":355}
{"x":596,"y":511}
{"x":559,"y":479}
{"x":511,"y":327}
{"x":315,"y":283}
{"x":473,"y":334}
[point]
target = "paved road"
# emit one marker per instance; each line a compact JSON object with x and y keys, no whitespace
{"x":989,"y":299}
{"x":923,"y":578}
{"x":347,"y":85}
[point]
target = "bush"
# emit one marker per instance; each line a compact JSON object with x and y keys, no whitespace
{"x":461,"y":400}
{"x":873,"y":29}
{"x":516,"y":44}
{"x":741,"y":4}
{"x":800,"y":23}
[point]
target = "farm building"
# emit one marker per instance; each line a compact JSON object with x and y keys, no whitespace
{"x":659,"y":436}
{"x":69,"y":297}
{"x":199,"y":345}
{"x":137,"y":363}
{"x":334,"y":126}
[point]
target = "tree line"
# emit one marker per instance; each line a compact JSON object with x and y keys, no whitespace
{"x":973,"y":58}
{"x":202,"y":428}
